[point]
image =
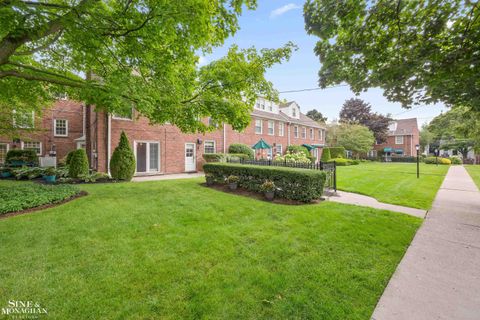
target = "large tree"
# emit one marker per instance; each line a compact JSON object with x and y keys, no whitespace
{"x":354,"y":137}
{"x":141,"y":53}
{"x":417,"y":51}
{"x":357,"y":111}
{"x":316,"y":115}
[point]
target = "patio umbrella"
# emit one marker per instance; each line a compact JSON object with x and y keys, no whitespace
{"x":309,"y":147}
{"x":261,"y":144}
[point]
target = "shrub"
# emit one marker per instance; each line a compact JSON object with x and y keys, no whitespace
{"x":342,"y":162}
{"x":28,"y":173}
{"x":214,"y":157}
{"x":298,"y":149}
{"x":325,"y":155}
{"x":20,"y":196}
{"x":232,"y":179}
{"x":237,"y":156}
{"x":78,"y":164}
{"x":404,"y":159}
{"x":17,"y":157}
{"x":455,"y":160}
{"x":241,"y":148}
{"x":69,"y":157}
{"x":433,"y":160}
{"x":291,"y":183}
{"x":337,"y":152}
{"x":122,"y":164}
{"x":297,"y":157}
{"x":268,"y":186}
{"x":94,"y":177}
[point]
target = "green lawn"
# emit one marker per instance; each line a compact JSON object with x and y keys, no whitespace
{"x":178,"y":250}
{"x":474,"y":171}
{"x":394,"y":183}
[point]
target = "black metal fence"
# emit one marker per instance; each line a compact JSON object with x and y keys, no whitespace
{"x":330,"y":168}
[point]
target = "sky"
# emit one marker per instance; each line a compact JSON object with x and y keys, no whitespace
{"x":274,"y":23}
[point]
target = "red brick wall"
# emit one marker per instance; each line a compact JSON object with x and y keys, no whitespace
{"x":44,"y":131}
{"x":408,"y":145}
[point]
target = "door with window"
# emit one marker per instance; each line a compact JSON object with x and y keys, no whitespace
{"x":190,"y":161}
{"x":148,"y":156}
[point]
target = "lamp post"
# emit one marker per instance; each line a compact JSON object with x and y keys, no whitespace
{"x":417,"y":147}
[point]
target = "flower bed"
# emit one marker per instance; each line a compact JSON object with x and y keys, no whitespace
{"x":291,"y":183}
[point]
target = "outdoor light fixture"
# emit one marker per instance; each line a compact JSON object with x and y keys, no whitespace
{"x":417,"y":147}
{"x":199,"y":141}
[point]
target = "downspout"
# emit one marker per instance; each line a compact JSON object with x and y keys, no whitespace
{"x":109,"y":140}
{"x":224,"y":138}
{"x":288,"y":133}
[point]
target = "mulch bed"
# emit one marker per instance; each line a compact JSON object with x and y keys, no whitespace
{"x":258,"y":196}
{"x":42,"y":207}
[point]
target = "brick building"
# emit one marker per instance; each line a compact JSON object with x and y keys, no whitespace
{"x":403,"y":136}
{"x":161,"y":149}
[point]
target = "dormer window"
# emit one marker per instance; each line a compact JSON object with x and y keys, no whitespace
{"x":294,"y":112}
{"x":392,"y":126}
{"x":270,"y":107}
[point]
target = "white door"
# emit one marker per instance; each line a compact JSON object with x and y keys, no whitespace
{"x":190,"y":162}
{"x":147,"y":155}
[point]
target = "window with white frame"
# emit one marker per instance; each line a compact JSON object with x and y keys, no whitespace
{"x":61,"y":96}
{"x":271,"y":127}
{"x":279,"y":149}
{"x":127,"y":115}
{"x":24,"y":120}
{"x":294,"y":112}
{"x":270,"y":107}
{"x":3,"y":152}
{"x":304,"y":132}
{"x":258,"y":126}
{"x":398,"y":139}
{"x":295,"y":131}
{"x":262,"y":106}
{"x":33,"y":145}
{"x":60,"y":127}
{"x":312,"y":134}
{"x":281,"y":129}
{"x":269,"y":153}
{"x":320,"y":134}
{"x":209,"y":147}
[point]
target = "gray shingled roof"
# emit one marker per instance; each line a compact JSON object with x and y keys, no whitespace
{"x":405,"y":126}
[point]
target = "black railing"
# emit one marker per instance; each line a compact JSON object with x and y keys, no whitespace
{"x":330,"y":168}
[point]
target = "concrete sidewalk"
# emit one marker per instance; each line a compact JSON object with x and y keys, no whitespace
{"x":361,"y":200}
{"x":168,"y":176}
{"x":439,"y":276}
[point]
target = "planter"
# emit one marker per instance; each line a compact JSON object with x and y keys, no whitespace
{"x":269,"y":195}
{"x":50,"y":179}
{"x":6,"y":174}
{"x":233,"y":186}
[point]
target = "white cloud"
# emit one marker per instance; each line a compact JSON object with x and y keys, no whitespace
{"x":279,"y":11}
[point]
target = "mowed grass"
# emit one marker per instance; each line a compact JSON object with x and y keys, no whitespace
{"x":474,"y":171}
{"x":394,"y":183}
{"x":178,"y":250}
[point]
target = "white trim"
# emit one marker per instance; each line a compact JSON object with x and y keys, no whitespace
{"x":109,"y":141}
{"x":261,"y":126}
{"x":276,"y":149}
{"x":281,"y":125}
{"x":122,"y":118}
{"x":22,"y":145}
{"x":147,"y":156}
{"x":214,"y":145}
{"x":55,"y":134}
{"x":8,"y":148}
{"x":273,"y":127}
{"x":194,"y":156}
{"x":312,"y":134}
{"x":396,"y":141}
{"x":295,"y":132}
{"x":304,"y":132}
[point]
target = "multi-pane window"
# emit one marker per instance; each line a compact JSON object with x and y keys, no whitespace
{"x":295,"y":131}
{"x":281,"y":129}
{"x":320,"y":134}
{"x":3,"y":152}
{"x":312,"y":134}
{"x":269,"y":153}
{"x":279,"y":149}
{"x":61,"y":127}
{"x":209,"y":147}
{"x":33,"y":145}
{"x":294,"y":112}
{"x":398,"y":139}
{"x":304,"y":132}
{"x":270,"y":107}
{"x":154,"y":156}
{"x":271,"y":127}
{"x":258,"y":126}
{"x":23,"y":119}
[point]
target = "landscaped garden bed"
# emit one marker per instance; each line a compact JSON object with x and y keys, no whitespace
{"x":20,"y":197}
{"x":178,"y":250}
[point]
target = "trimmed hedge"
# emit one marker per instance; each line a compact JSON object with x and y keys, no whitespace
{"x":240,"y":148}
{"x":337,"y":152}
{"x":433,"y":160}
{"x":342,"y":162}
{"x":295,"y":184}
{"x":404,"y":159}
{"x":23,"y":157}
{"x":455,"y":160}
{"x":78,"y":164}
{"x":214,"y":157}
{"x":325,"y":155}
{"x":122,"y":164}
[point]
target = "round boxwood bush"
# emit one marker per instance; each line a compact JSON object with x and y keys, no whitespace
{"x":78,"y":164}
{"x":122,"y":164}
{"x":241,"y":148}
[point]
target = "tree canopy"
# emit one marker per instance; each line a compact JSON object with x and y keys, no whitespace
{"x":354,"y":137}
{"x":316,"y":115}
{"x":133,"y":53}
{"x":417,"y":51}
{"x":357,"y":111}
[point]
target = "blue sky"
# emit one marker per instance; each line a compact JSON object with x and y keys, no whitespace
{"x":276,"y":22}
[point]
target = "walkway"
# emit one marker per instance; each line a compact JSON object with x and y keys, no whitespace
{"x":168,"y":176}
{"x":361,"y":200}
{"x":439,"y":276}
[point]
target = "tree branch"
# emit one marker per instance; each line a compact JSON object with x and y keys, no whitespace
{"x":43,"y":47}
{"x":28,"y":76}
{"x":53,"y":74}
